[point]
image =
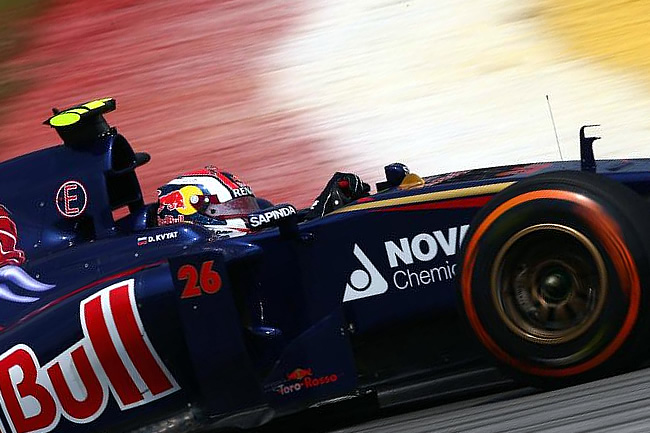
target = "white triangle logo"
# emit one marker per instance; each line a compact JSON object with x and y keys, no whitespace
{"x":365,"y":282}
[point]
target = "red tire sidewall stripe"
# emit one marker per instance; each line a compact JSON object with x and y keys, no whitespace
{"x":610,"y":236}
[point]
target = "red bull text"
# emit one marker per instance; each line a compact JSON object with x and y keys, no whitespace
{"x":114,"y":357}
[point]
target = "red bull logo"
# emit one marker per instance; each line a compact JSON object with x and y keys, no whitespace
{"x":172,"y":201}
{"x":114,"y":357}
{"x":299,"y":373}
{"x":179,"y":201}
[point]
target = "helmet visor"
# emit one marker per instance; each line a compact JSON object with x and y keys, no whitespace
{"x":240,"y":207}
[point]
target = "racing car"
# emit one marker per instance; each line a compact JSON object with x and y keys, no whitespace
{"x":420,"y":289}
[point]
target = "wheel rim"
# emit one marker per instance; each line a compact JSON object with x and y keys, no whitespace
{"x":549,"y":283}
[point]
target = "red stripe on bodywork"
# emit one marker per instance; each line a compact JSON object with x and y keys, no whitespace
{"x":132,"y":339}
{"x":460,"y":203}
{"x":100,"y":338}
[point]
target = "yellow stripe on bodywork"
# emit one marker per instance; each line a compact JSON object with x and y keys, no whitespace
{"x":431,"y":196}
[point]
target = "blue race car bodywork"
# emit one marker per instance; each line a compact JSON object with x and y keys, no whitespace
{"x":115,"y":324}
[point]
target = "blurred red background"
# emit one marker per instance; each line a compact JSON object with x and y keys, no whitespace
{"x":186,"y":79}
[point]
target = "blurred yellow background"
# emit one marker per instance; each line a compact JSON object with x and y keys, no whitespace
{"x":615,"y":32}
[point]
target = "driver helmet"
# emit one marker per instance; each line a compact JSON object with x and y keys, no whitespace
{"x":210,"y":197}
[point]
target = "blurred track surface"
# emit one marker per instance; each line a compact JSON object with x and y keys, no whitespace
{"x":615,"y":405}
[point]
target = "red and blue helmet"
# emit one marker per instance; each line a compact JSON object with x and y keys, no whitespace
{"x":210,"y":197}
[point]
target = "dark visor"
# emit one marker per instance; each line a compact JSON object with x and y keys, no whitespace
{"x":210,"y":206}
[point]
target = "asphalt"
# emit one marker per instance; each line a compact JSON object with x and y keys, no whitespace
{"x":619,"y":404}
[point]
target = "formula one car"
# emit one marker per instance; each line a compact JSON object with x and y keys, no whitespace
{"x":117,"y":324}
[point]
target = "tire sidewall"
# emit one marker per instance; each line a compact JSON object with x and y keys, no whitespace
{"x":611,"y":217}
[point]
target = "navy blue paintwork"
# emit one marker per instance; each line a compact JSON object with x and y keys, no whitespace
{"x":277,"y":336}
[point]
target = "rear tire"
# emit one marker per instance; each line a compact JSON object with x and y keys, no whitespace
{"x":553,"y":278}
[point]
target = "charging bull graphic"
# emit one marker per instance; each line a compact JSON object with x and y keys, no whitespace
{"x":11,"y":258}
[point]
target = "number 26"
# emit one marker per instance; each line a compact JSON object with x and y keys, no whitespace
{"x":209,"y":281}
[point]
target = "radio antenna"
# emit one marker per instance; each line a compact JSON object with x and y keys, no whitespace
{"x":557,"y":139}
